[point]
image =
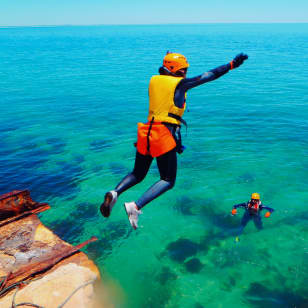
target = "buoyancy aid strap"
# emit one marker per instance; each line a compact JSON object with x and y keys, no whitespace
{"x":148,"y":135}
{"x":177,"y":117}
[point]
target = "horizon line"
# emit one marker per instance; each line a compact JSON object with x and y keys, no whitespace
{"x":152,"y":24}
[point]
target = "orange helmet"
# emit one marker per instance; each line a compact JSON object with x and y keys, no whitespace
{"x":255,"y":196}
{"x":174,"y":62}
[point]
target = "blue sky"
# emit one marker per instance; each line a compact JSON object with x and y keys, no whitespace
{"x":89,"y":12}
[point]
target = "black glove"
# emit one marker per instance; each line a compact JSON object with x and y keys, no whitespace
{"x":238,"y":60}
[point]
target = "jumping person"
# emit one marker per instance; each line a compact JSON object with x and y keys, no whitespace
{"x":160,"y":137}
{"x":252,"y":212}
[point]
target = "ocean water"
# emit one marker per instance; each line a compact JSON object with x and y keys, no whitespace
{"x":70,"y":101}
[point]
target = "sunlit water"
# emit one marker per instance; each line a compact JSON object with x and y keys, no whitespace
{"x":71,"y":98}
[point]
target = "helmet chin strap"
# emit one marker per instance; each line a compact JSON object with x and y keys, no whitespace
{"x":169,"y":72}
{"x":165,"y":70}
{"x":178,"y":75}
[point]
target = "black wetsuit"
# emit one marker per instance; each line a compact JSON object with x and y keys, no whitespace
{"x":252,"y":214}
{"x":167,"y":163}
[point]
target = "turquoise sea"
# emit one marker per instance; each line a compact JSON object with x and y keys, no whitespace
{"x":70,"y":101}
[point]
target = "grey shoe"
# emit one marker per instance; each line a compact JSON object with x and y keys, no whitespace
{"x":132,"y":213}
{"x":109,"y":201}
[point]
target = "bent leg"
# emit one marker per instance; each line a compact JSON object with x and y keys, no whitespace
{"x":141,"y":168}
{"x":167,"y":166}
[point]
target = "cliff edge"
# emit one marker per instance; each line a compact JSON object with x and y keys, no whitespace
{"x":37,"y":268}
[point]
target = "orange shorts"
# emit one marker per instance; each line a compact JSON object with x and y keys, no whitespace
{"x":160,"y":139}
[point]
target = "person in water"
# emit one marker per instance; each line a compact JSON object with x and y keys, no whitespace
{"x":253,"y":210}
{"x":160,"y":137}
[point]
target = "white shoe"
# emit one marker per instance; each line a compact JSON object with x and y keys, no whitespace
{"x":111,"y":198}
{"x":132,"y":213}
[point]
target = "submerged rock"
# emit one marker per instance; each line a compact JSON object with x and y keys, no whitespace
{"x":194,"y":265}
{"x":181,"y":249}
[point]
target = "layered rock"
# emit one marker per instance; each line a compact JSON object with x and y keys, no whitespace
{"x":36,"y":266}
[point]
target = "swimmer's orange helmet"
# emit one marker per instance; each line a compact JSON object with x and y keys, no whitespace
{"x":255,"y":196}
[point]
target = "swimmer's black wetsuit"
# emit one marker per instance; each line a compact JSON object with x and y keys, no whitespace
{"x":189,"y":83}
{"x":251,"y":214}
{"x":167,"y":163}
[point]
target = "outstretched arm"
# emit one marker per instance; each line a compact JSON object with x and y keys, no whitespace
{"x":239,"y":205}
{"x":189,"y":83}
{"x":267,"y":208}
{"x":234,"y":211}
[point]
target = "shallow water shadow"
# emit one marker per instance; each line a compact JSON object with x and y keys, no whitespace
{"x":108,"y":236}
{"x":24,"y":174}
{"x":222,"y":220}
{"x":184,"y":205}
{"x":158,"y":294}
{"x":69,"y":230}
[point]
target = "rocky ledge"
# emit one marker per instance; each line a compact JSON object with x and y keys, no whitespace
{"x":37,"y":268}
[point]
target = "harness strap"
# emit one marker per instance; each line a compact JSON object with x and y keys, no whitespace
{"x":177,"y":117}
{"x":148,"y":135}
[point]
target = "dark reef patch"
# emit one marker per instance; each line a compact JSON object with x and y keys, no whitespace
{"x":71,"y":169}
{"x":166,"y":275}
{"x":69,"y":230}
{"x":158,"y":294}
{"x":184,"y":205}
{"x":98,"y":249}
{"x":193,"y":265}
{"x":62,"y":181}
{"x":210,"y":239}
{"x":260,"y":296}
{"x":109,"y":236}
{"x":228,"y":285}
{"x":85,"y":211}
{"x":32,"y":157}
{"x":24,"y":169}
{"x":182,"y":249}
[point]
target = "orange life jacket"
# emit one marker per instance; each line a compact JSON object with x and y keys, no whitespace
{"x":253,"y":207}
